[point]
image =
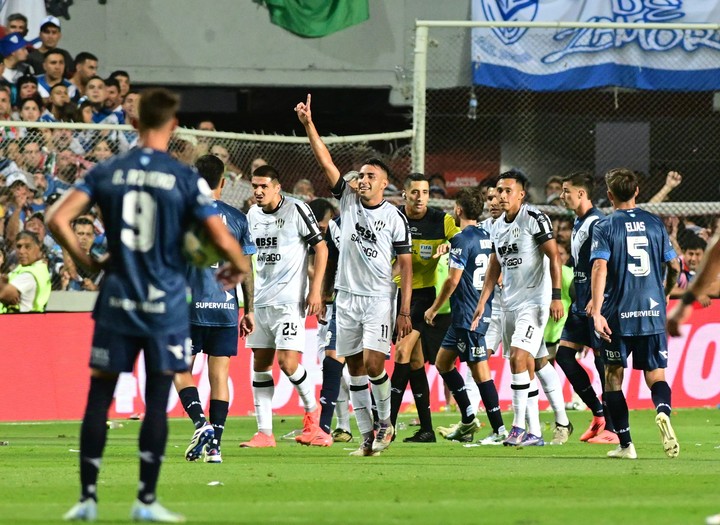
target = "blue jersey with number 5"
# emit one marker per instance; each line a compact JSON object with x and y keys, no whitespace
{"x":147,"y":200}
{"x":470,"y":252}
{"x":635,"y":245}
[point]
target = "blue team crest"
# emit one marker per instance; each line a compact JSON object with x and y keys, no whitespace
{"x":510,"y":11}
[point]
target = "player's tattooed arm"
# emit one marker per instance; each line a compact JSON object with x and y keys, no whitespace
{"x":673,"y":270}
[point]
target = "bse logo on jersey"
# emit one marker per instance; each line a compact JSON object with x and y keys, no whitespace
{"x":508,"y":249}
{"x":363,"y":234}
{"x":266,"y":242}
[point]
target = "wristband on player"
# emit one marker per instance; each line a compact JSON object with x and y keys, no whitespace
{"x":688,"y":298}
{"x":404,"y":314}
{"x":556,"y":295}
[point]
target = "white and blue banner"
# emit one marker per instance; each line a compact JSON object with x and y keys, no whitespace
{"x":572,"y":59}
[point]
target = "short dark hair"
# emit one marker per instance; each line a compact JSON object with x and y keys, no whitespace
{"x":266,"y":171}
{"x":437,"y":176}
{"x":415,"y":177}
{"x":82,"y":221}
{"x":374,"y":161}
{"x":515,"y":174}
{"x":112,"y":81}
{"x":84,"y":56}
{"x":471,"y":202}
{"x":690,"y":241}
{"x":553,"y":179}
{"x":53,"y":52}
{"x":35,"y":98}
{"x":96,"y":77}
{"x":25,"y":79}
{"x":156,"y":108}
{"x":119,"y":73}
{"x":211,"y":169}
{"x":30,"y":235}
{"x":17,"y":16}
{"x":490,"y":182}
{"x":320,"y":207}
{"x":57,"y":85}
{"x":582,"y":179}
{"x":622,"y":183}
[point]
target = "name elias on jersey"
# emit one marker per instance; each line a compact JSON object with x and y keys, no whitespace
{"x":635,"y":226}
{"x":154,"y":179}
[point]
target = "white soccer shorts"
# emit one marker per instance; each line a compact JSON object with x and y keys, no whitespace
{"x":525,"y":329}
{"x":493,"y":337}
{"x":281,"y":327}
{"x":363,"y":322}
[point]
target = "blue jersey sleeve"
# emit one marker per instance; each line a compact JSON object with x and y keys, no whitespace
{"x":668,"y":250}
{"x":245,"y":240}
{"x":200,"y":198}
{"x":600,"y":248}
{"x":88,"y":184}
{"x":458,"y":253}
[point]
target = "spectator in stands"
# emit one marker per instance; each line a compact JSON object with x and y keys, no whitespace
{"x":130,"y":106}
{"x":14,"y":48}
{"x":553,"y":189}
{"x":693,"y":250}
{"x":123,"y":79}
{"x":9,"y":132}
{"x":183,"y":147}
{"x":563,"y":227}
{"x":53,"y":251}
{"x":40,"y":182}
{"x":113,"y":99}
{"x":206,"y":125}
{"x":672,"y":181}
{"x":103,"y":150}
{"x":26,"y":87}
{"x":50,"y":35}
{"x":96,"y":94}
{"x":232,"y":172}
{"x":17,"y":23}
{"x":85,"y":233}
{"x":27,"y":288}
{"x":54,"y":65}
{"x":63,"y":138}
{"x":59,"y":107}
{"x":438,"y":180}
{"x":32,"y":159}
{"x":21,"y":191}
{"x":204,"y":142}
{"x":86,"y":66}
{"x":437,"y":192}
{"x":256,"y":163}
{"x":66,"y":170}
{"x":11,"y":151}
{"x":304,"y":190}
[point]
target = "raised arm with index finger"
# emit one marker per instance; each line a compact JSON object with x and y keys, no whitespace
{"x":332,"y":174}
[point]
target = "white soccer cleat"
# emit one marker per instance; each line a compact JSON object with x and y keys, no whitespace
{"x":670,"y":442}
{"x":623,"y":453}
{"x":154,"y":512}
{"x":494,"y":438}
{"x":383,"y":438}
{"x":713,"y":520}
{"x":200,"y":438}
{"x":82,"y":511}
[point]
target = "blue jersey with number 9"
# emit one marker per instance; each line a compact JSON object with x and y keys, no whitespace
{"x":635,"y":245}
{"x":147,"y":200}
{"x":470,"y":251}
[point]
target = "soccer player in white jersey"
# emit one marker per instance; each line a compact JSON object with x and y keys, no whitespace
{"x":284,"y":229}
{"x":526,"y":254}
{"x":372,"y":232}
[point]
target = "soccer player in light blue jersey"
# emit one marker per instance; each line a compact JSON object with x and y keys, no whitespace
{"x":629,"y":253}
{"x":147,"y":200}
{"x":214,"y":327}
{"x":470,"y":252}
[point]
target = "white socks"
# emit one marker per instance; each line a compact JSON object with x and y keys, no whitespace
{"x":263,"y":388}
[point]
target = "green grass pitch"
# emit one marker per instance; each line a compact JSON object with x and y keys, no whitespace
{"x":443,"y":483}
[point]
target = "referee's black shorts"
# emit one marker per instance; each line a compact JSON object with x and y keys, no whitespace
{"x":430,"y":336}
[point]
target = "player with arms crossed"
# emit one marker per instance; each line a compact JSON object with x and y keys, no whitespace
{"x":372,"y":232}
{"x":628,"y":301}
{"x":578,"y":331}
{"x":214,"y":327}
{"x":284,"y":230}
{"x":429,"y":228}
{"x":147,"y":200}
{"x":470,"y":253}
{"x":526,"y":254}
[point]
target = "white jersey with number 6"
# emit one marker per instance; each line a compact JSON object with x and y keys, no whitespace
{"x":525,"y":269}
